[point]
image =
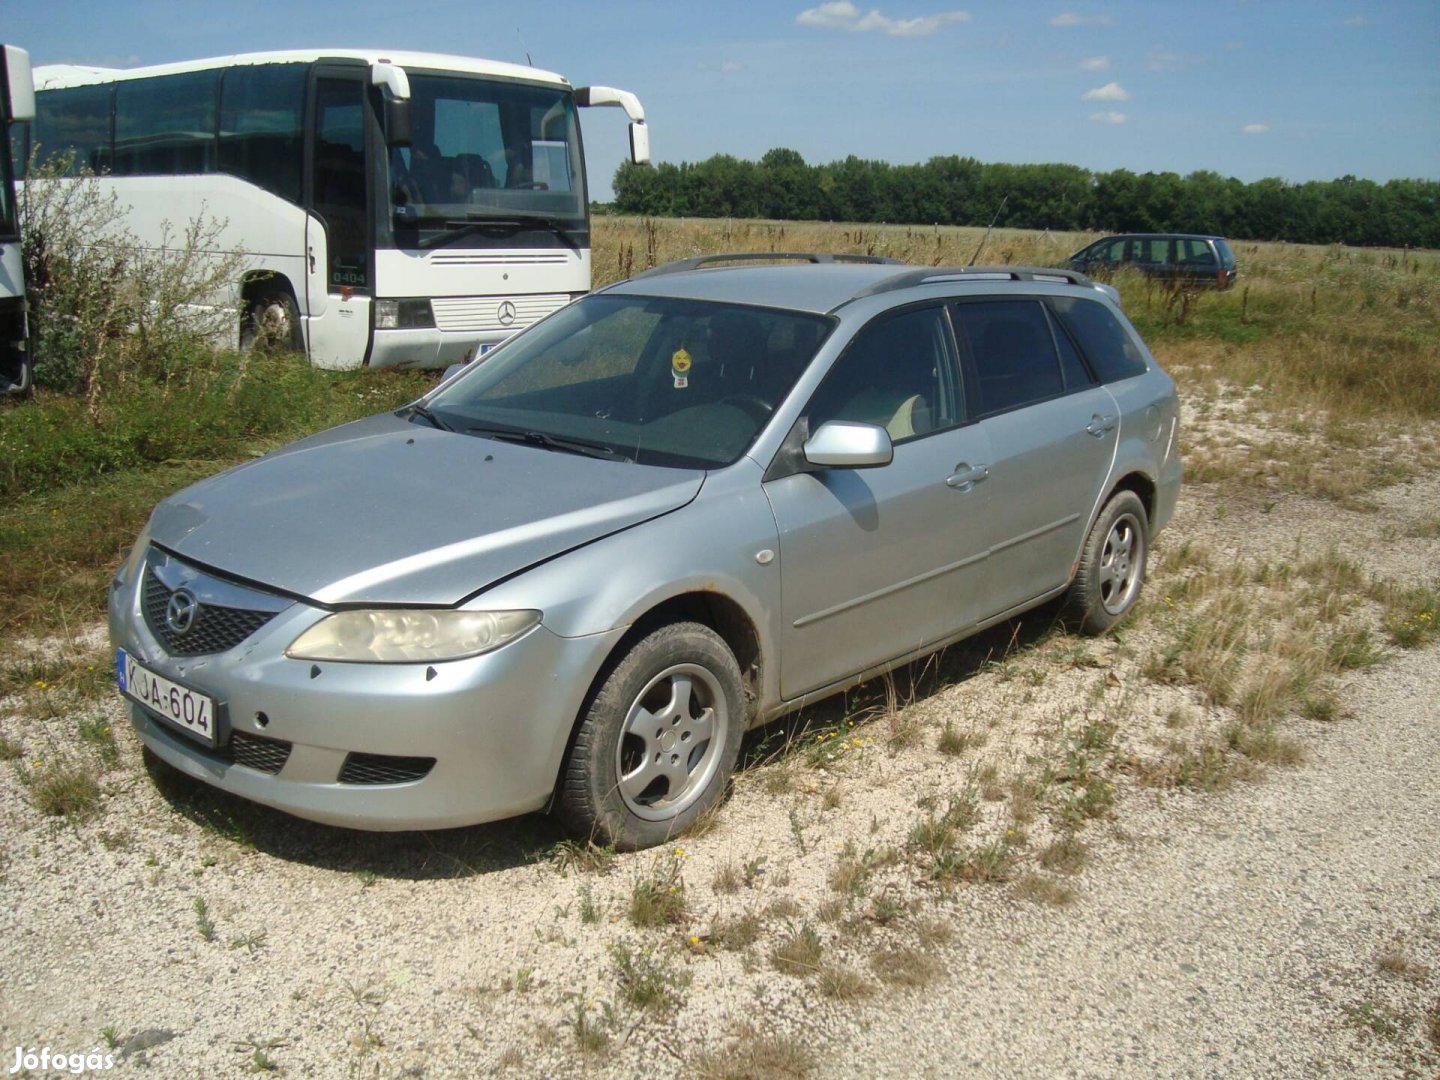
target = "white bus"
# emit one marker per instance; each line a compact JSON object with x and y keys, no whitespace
{"x":393,"y":208}
{"x":17,"y":108}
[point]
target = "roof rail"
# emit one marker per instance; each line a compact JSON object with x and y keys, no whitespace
{"x":934,"y":274}
{"x":698,"y":261}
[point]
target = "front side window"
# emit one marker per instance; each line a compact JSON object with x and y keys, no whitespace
{"x":658,"y":381}
{"x":491,"y":161}
{"x":897,"y":373}
{"x":1009,"y":354}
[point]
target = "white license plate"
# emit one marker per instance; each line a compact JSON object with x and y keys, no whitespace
{"x":192,"y":713}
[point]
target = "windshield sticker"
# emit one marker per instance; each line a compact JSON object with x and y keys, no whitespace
{"x":680,"y":368}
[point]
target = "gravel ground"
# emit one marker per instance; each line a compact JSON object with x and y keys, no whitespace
{"x":1289,"y":927}
{"x":1232,"y":935}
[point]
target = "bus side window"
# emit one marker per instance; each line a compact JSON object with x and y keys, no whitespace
{"x":261,"y":126}
{"x":75,"y":120}
{"x":165,"y":126}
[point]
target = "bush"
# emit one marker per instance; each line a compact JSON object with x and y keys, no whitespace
{"x":103,"y":306}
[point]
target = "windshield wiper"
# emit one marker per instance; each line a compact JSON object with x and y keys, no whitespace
{"x":419,"y":409}
{"x":549,"y":442}
{"x":454,"y":229}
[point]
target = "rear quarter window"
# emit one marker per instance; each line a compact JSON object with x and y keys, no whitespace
{"x":1106,"y":344}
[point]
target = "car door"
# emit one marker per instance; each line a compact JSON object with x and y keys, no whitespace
{"x":1051,"y":433}
{"x":878,"y":562}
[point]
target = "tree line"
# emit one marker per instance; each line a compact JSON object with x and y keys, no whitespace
{"x":954,"y":190}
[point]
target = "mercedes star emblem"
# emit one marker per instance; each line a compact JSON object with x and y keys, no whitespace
{"x":506,"y":313}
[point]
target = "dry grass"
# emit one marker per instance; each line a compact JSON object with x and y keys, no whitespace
{"x":906,"y":966}
{"x":1039,"y":889}
{"x":755,"y":1055}
{"x":799,"y":952}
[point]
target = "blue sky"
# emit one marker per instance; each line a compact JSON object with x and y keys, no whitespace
{"x":1249,"y":88}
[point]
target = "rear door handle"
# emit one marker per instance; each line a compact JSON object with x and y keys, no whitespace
{"x":1099,"y":425}
{"x":966,"y":476}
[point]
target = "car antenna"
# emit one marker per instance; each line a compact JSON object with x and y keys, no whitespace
{"x":986,"y":237}
{"x":523,"y":48}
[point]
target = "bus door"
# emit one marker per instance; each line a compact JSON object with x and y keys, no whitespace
{"x":338,"y":238}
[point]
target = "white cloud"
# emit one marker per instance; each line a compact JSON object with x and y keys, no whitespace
{"x":1109,"y":92}
{"x":1108,"y":117}
{"x":1355,"y":20}
{"x":843,"y":15}
{"x":1071,"y":19}
{"x":1255,"y":129}
{"x":1096,"y":63}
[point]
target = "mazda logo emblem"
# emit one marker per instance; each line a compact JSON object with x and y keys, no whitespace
{"x":506,"y":313}
{"x":180,"y":612}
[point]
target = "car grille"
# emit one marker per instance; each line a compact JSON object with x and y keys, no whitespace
{"x":261,"y":754}
{"x":213,"y":629}
{"x":384,"y":769}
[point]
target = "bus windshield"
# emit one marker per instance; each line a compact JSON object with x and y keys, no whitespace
{"x":487,"y":158}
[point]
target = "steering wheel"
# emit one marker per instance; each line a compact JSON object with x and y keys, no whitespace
{"x":752,"y":404}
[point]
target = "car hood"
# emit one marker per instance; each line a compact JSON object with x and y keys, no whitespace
{"x":386,"y":511}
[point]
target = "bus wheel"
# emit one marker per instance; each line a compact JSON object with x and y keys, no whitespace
{"x":271,"y":323}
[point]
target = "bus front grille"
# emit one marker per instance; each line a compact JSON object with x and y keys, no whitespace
{"x":470,"y":314}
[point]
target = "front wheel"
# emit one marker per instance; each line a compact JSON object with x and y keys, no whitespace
{"x":1112,"y":565}
{"x":271,"y":323}
{"x":656,"y":747}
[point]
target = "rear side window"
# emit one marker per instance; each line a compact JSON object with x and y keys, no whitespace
{"x":1150,"y":249}
{"x":1009,"y":354}
{"x":1110,"y":350}
{"x":1227,"y":257}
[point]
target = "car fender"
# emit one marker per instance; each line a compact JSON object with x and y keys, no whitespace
{"x":724,"y":542}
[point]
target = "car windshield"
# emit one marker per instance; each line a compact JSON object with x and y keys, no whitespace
{"x":659,"y":381}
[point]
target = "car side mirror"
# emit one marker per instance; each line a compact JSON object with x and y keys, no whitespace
{"x":843,"y":444}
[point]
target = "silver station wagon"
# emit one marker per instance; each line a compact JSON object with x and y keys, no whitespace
{"x":575,"y":573}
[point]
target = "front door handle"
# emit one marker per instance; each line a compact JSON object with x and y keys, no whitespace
{"x":966,"y":476}
{"x":1099,"y":425}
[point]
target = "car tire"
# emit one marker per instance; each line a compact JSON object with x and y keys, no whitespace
{"x":657,"y":743}
{"x":1112,"y":566}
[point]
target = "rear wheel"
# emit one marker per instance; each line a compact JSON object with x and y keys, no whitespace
{"x":1112,"y":565}
{"x":658,"y":742}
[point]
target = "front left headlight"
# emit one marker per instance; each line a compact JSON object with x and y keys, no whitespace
{"x":409,"y":636}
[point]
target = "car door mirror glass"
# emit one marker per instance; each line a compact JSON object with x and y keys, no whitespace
{"x":845,"y":444}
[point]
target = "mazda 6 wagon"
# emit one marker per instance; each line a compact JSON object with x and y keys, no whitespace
{"x":576,"y":572}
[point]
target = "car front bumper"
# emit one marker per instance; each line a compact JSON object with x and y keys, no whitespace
{"x":370,"y":746}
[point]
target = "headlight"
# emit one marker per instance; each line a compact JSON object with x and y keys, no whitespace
{"x":409,"y":636}
{"x":404,"y":314}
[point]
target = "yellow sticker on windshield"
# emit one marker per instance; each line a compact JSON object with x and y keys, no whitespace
{"x":680,"y":367}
